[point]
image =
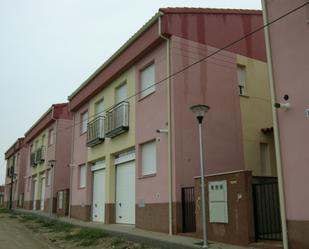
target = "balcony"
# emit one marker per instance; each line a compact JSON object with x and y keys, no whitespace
{"x":95,"y":131}
{"x":32,"y":159}
{"x":40,"y":155}
{"x":117,"y":120}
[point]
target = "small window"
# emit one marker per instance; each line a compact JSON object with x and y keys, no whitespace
{"x":48,"y":177}
{"x":82,"y":176}
{"x":51,"y":137}
{"x":84,"y":121}
{"x":241,"y":75}
{"x":28,"y":184}
{"x":149,"y":158}
{"x":147,"y":78}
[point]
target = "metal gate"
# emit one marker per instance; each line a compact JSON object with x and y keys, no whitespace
{"x":266,"y":208}
{"x":188,"y":209}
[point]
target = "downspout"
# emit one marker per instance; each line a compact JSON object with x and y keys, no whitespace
{"x":53,"y":165}
{"x":169,"y":135}
{"x":276,"y":129}
{"x":71,"y":165}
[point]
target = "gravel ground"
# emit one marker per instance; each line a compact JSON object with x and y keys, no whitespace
{"x":27,"y":232}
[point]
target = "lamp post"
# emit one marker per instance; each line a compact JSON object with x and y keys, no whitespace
{"x":13,"y":176}
{"x":51,"y":195}
{"x":200,"y":111}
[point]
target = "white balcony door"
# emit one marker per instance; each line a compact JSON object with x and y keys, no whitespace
{"x":99,"y":108}
{"x":125,"y":193}
{"x":98,"y":196}
{"x":121,"y":93}
{"x":42,"y":193}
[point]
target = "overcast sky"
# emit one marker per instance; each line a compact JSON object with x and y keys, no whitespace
{"x":48,"y":48}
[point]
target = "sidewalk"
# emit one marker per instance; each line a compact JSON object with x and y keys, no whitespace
{"x":138,"y":235}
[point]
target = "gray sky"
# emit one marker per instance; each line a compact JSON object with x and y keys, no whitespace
{"x":48,"y":48}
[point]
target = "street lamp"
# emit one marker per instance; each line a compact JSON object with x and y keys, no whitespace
{"x":52,"y":164}
{"x":200,"y":111}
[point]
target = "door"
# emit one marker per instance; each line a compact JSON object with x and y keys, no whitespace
{"x":266,"y":208}
{"x":188,"y":210}
{"x":42,"y":194}
{"x":98,"y":196}
{"x":34,"y":194}
{"x":121,"y":93}
{"x":125,"y":193}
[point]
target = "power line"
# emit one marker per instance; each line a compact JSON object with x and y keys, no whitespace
{"x":197,"y":62}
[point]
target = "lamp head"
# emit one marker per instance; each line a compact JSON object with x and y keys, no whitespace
{"x":199,"y":111}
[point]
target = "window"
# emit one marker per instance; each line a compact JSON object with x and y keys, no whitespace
{"x":82,"y":176}
{"x":84,"y":121}
{"x":241,"y":75}
{"x":43,"y":140}
{"x":147,"y":80}
{"x":48,"y":177}
{"x":149,"y":158}
{"x":99,"y":108}
{"x":51,"y":137}
{"x":121,"y":93}
{"x":60,"y":200}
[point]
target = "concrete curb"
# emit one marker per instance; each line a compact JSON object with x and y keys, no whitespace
{"x":139,"y":236}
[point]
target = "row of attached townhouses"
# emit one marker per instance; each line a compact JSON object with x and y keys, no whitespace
{"x":125,"y":149}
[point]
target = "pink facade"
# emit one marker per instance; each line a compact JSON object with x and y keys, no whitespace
{"x":289,"y":39}
{"x":57,"y":154}
{"x":80,"y":197}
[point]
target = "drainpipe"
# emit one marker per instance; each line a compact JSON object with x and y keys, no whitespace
{"x":169,"y":135}
{"x":53,"y":165}
{"x":71,"y":165}
{"x":276,"y":130}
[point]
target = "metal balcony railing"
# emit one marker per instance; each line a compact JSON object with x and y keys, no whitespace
{"x":95,"y":131}
{"x":40,"y":155}
{"x":117,"y":120}
{"x":33,"y":159}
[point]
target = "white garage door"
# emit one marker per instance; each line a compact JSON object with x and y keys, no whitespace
{"x":98,"y":196}
{"x":125,"y":193}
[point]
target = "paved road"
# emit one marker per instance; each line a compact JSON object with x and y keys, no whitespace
{"x":14,"y":235}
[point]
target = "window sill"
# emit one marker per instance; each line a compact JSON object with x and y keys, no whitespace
{"x":80,"y":188}
{"x":83,"y":133}
{"x":244,"y":95}
{"x":144,"y":97}
{"x":148,"y":176}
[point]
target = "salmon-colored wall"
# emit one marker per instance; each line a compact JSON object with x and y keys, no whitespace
{"x":63,"y":154}
{"x":151,"y":114}
{"x":214,"y":83}
{"x":289,"y":41}
{"x":219,"y":28}
{"x":79,"y":196}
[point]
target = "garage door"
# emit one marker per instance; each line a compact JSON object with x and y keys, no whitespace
{"x":98,"y":196}
{"x":125,"y":193}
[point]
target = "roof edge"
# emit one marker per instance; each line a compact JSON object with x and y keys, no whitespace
{"x":186,"y":10}
{"x":117,"y":53}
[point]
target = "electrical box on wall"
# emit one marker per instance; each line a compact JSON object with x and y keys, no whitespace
{"x":218,"y":210}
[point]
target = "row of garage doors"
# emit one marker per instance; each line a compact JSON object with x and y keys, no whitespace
{"x":124,"y":187}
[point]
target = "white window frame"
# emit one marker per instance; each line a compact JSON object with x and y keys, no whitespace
{"x":48,"y":177}
{"x":122,"y":86}
{"x":96,"y":109}
{"x":82,"y":182}
{"x":242,"y":79}
{"x":149,"y":165}
{"x":51,"y":136}
{"x":83,"y":122}
{"x":147,"y":86}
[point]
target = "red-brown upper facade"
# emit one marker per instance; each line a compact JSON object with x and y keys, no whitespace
{"x":214,"y":27}
{"x":56,"y":111}
{"x":15,"y":147}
